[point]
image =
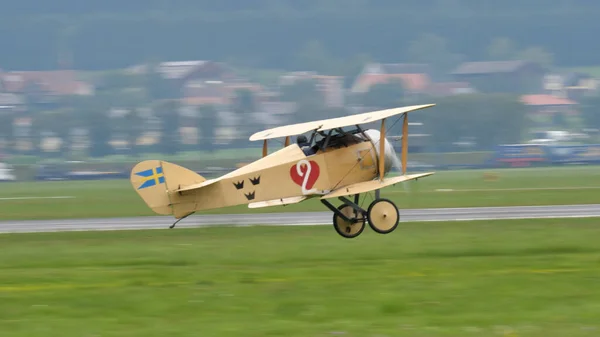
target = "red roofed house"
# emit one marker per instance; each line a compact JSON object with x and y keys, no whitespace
{"x":56,"y":83}
{"x":415,"y":77}
{"x":545,"y":100}
{"x":549,"y":105}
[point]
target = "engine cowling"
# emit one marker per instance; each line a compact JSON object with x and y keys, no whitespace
{"x":391,"y":159}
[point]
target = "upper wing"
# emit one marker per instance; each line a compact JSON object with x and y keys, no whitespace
{"x":372,"y":185}
{"x":332,"y":123}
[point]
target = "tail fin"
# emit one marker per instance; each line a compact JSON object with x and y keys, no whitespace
{"x":154,"y":179}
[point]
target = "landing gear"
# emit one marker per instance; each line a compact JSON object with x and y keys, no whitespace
{"x":383,"y":216}
{"x":352,"y":227}
{"x":349,"y":218}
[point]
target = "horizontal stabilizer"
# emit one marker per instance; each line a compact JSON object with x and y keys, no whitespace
{"x":372,"y":185}
{"x":197,"y":186}
{"x":276,"y":202}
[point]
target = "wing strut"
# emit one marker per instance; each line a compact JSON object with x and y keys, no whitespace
{"x":264,"y":148}
{"x":404,"y":143}
{"x":287,"y":141}
{"x":382,"y":150}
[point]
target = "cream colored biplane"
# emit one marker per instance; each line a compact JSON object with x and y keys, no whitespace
{"x":339,"y":160}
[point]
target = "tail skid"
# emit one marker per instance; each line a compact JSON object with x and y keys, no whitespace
{"x":183,"y":217}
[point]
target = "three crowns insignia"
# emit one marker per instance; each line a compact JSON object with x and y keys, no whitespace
{"x":240,"y":185}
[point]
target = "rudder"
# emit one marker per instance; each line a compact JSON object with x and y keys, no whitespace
{"x":153,"y":180}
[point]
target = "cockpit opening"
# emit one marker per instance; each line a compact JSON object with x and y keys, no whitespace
{"x":321,"y":141}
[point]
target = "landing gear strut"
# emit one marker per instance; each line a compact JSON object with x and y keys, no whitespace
{"x":352,"y":227}
{"x":349,"y":218}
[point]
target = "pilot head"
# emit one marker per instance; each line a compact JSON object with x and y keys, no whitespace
{"x":301,"y":140}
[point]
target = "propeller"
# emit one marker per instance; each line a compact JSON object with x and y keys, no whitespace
{"x":397,"y":165}
{"x":389,"y":157}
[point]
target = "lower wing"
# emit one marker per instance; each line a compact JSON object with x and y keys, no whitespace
{"x":277,"y":202}
{"x":372,"y":185}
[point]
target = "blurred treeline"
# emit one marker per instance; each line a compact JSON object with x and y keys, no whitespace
{"x":336,"y":35}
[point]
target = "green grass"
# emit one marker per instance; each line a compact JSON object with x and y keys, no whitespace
{"x":513,"y":187}
{"x":492,"y":278}
{"x":201,"y":160}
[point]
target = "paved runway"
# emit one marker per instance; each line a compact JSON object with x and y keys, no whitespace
{"x":298,"y":219}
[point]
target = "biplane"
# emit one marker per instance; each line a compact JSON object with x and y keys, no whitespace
{"x":339,"y":160}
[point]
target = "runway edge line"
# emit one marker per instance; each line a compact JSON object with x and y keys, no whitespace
{"x":298,"y":218}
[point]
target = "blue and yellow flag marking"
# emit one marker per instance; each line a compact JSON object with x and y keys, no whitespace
{"x":152,"y":177}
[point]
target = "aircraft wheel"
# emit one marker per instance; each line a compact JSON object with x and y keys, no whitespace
{"x":383,"y":216}
{"x":345,"y":228}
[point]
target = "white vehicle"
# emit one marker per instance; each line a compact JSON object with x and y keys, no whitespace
{"x":6,"y":173}
{"x":552,"y":137}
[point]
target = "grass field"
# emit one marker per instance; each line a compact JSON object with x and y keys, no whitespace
{"x":542,"y":186}
{"x":492,"y":278}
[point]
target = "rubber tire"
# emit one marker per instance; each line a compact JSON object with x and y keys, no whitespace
{"x":373,"y":227}
{"x":340,"y":232}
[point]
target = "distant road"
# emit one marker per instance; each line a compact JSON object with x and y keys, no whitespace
{"x":298,"y":219}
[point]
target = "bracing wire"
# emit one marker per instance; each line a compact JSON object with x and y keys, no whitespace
{"x":278,"y":141}
{"x":368,"y":152}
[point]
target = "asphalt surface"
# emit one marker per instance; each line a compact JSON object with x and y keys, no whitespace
{"x":298,"y":219}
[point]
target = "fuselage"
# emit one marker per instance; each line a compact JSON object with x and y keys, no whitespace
{"x":290,"y":173}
